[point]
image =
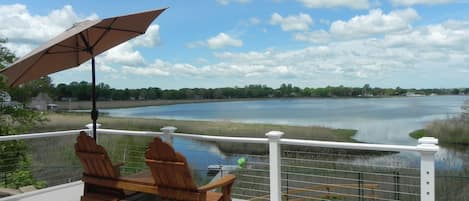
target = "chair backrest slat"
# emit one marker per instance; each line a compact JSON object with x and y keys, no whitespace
{"x":94,"y":158}
{"x":171,"y":171}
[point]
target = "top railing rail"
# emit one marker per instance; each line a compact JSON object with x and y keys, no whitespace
{"x":40,"y":135}
{"x":285,"y":141}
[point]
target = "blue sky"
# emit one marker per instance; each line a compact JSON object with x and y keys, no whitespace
{"x":218,"y":43}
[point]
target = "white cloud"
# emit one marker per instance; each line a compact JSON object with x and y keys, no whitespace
{"x":370,"y":46}
{"x":151,"y":38}
{"x":354,"y":4}
{"x":375,"y":22}
{"x":196,"y":44}
{"x":105,"y":68}
{"x":324,"y":21}
{"x":319,"y":36}
{"x":219,"y":41}
{"x":223,"y":40}
{"x":254,"y":21}
{"x":300,"y":22}
{"x":415,"y":2}
{"x":126,"y":54}
{"x":158,"y":68}
{"x":449,"y":36}
{"x":123,"y":54}
{"x":436,"y":46}
{"x":24,"y":31}
{"x":226,"y":2}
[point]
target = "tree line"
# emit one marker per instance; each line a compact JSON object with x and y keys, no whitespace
{"x":81,"y":91}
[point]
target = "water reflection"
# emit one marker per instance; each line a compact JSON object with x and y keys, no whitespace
{"x":202,"y":154}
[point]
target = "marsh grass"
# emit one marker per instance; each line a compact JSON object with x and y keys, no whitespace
{"x":453,"y":130}
{"x":67,"y":121}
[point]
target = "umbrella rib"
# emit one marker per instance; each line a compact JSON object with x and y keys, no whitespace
{"x":105,"y":32}
{"x":71,"y":47}
{"x":61,"y":52}
{"x":119,"y":29}
{"x":88,"y":48}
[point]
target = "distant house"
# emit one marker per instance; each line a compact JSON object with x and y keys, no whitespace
{"x":5,"y":97}
{"x":41,"y":102}
{"x":5,"y":101}
{"x":52,"y":107}
{"x":412,"y":94}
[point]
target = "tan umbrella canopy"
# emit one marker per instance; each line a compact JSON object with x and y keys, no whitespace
{"x":78,"y":44}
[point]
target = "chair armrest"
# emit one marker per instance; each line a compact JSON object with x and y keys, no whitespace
{"x":226,"y":180}
{"x":117,"y":169}
{"x":118,"y":164}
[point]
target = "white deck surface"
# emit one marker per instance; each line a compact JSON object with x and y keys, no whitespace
{"x":65,"y":192}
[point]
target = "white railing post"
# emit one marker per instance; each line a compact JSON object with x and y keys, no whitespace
{"x":168,"y":133}
{"x":427,"y":148}
{"x":90,"y":128}
{"x":274,"y":164}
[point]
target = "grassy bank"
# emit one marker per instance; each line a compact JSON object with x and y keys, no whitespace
{"x":417,"y":133}
{"x":67,"y":121}
{"x":449,"y":131}
{"x":64,"y":121}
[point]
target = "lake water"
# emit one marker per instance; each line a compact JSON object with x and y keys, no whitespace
{"x":378,"y":120}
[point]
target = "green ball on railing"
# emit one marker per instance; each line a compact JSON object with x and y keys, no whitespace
{"x":242,"y":162}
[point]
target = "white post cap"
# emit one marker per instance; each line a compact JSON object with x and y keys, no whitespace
{"x":428,"y":140}
{"x":274,"y":134}
{"x":169,"y":129}
{"x":90,"y":125}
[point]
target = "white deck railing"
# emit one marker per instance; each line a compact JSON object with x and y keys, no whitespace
{"x":427,"y":148}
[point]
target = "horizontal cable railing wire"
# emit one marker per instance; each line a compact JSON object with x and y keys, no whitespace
{"x":345,"y":159}
{"x":45,"y":160}
{"x":312,"y":176}
{"x":130,"y":150}
{"x":306,"y":174}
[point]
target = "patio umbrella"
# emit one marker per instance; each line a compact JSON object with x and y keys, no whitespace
{"x":80,"y":43}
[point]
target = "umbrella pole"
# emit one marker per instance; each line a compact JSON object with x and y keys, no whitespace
{"x":94,"y":111}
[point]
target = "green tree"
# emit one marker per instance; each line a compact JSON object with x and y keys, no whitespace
{"x":6,"y":56}
{"x":25,"y":92}
{"x":14,"y":162}
{"x":366,"y":90}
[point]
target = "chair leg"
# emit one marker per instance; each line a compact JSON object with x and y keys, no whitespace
{"x":226,"y":190}
{"x":85,"y":189}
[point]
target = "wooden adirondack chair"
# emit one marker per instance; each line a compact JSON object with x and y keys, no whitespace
{"x":173,"y":177}
{"x":101,"y":177}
